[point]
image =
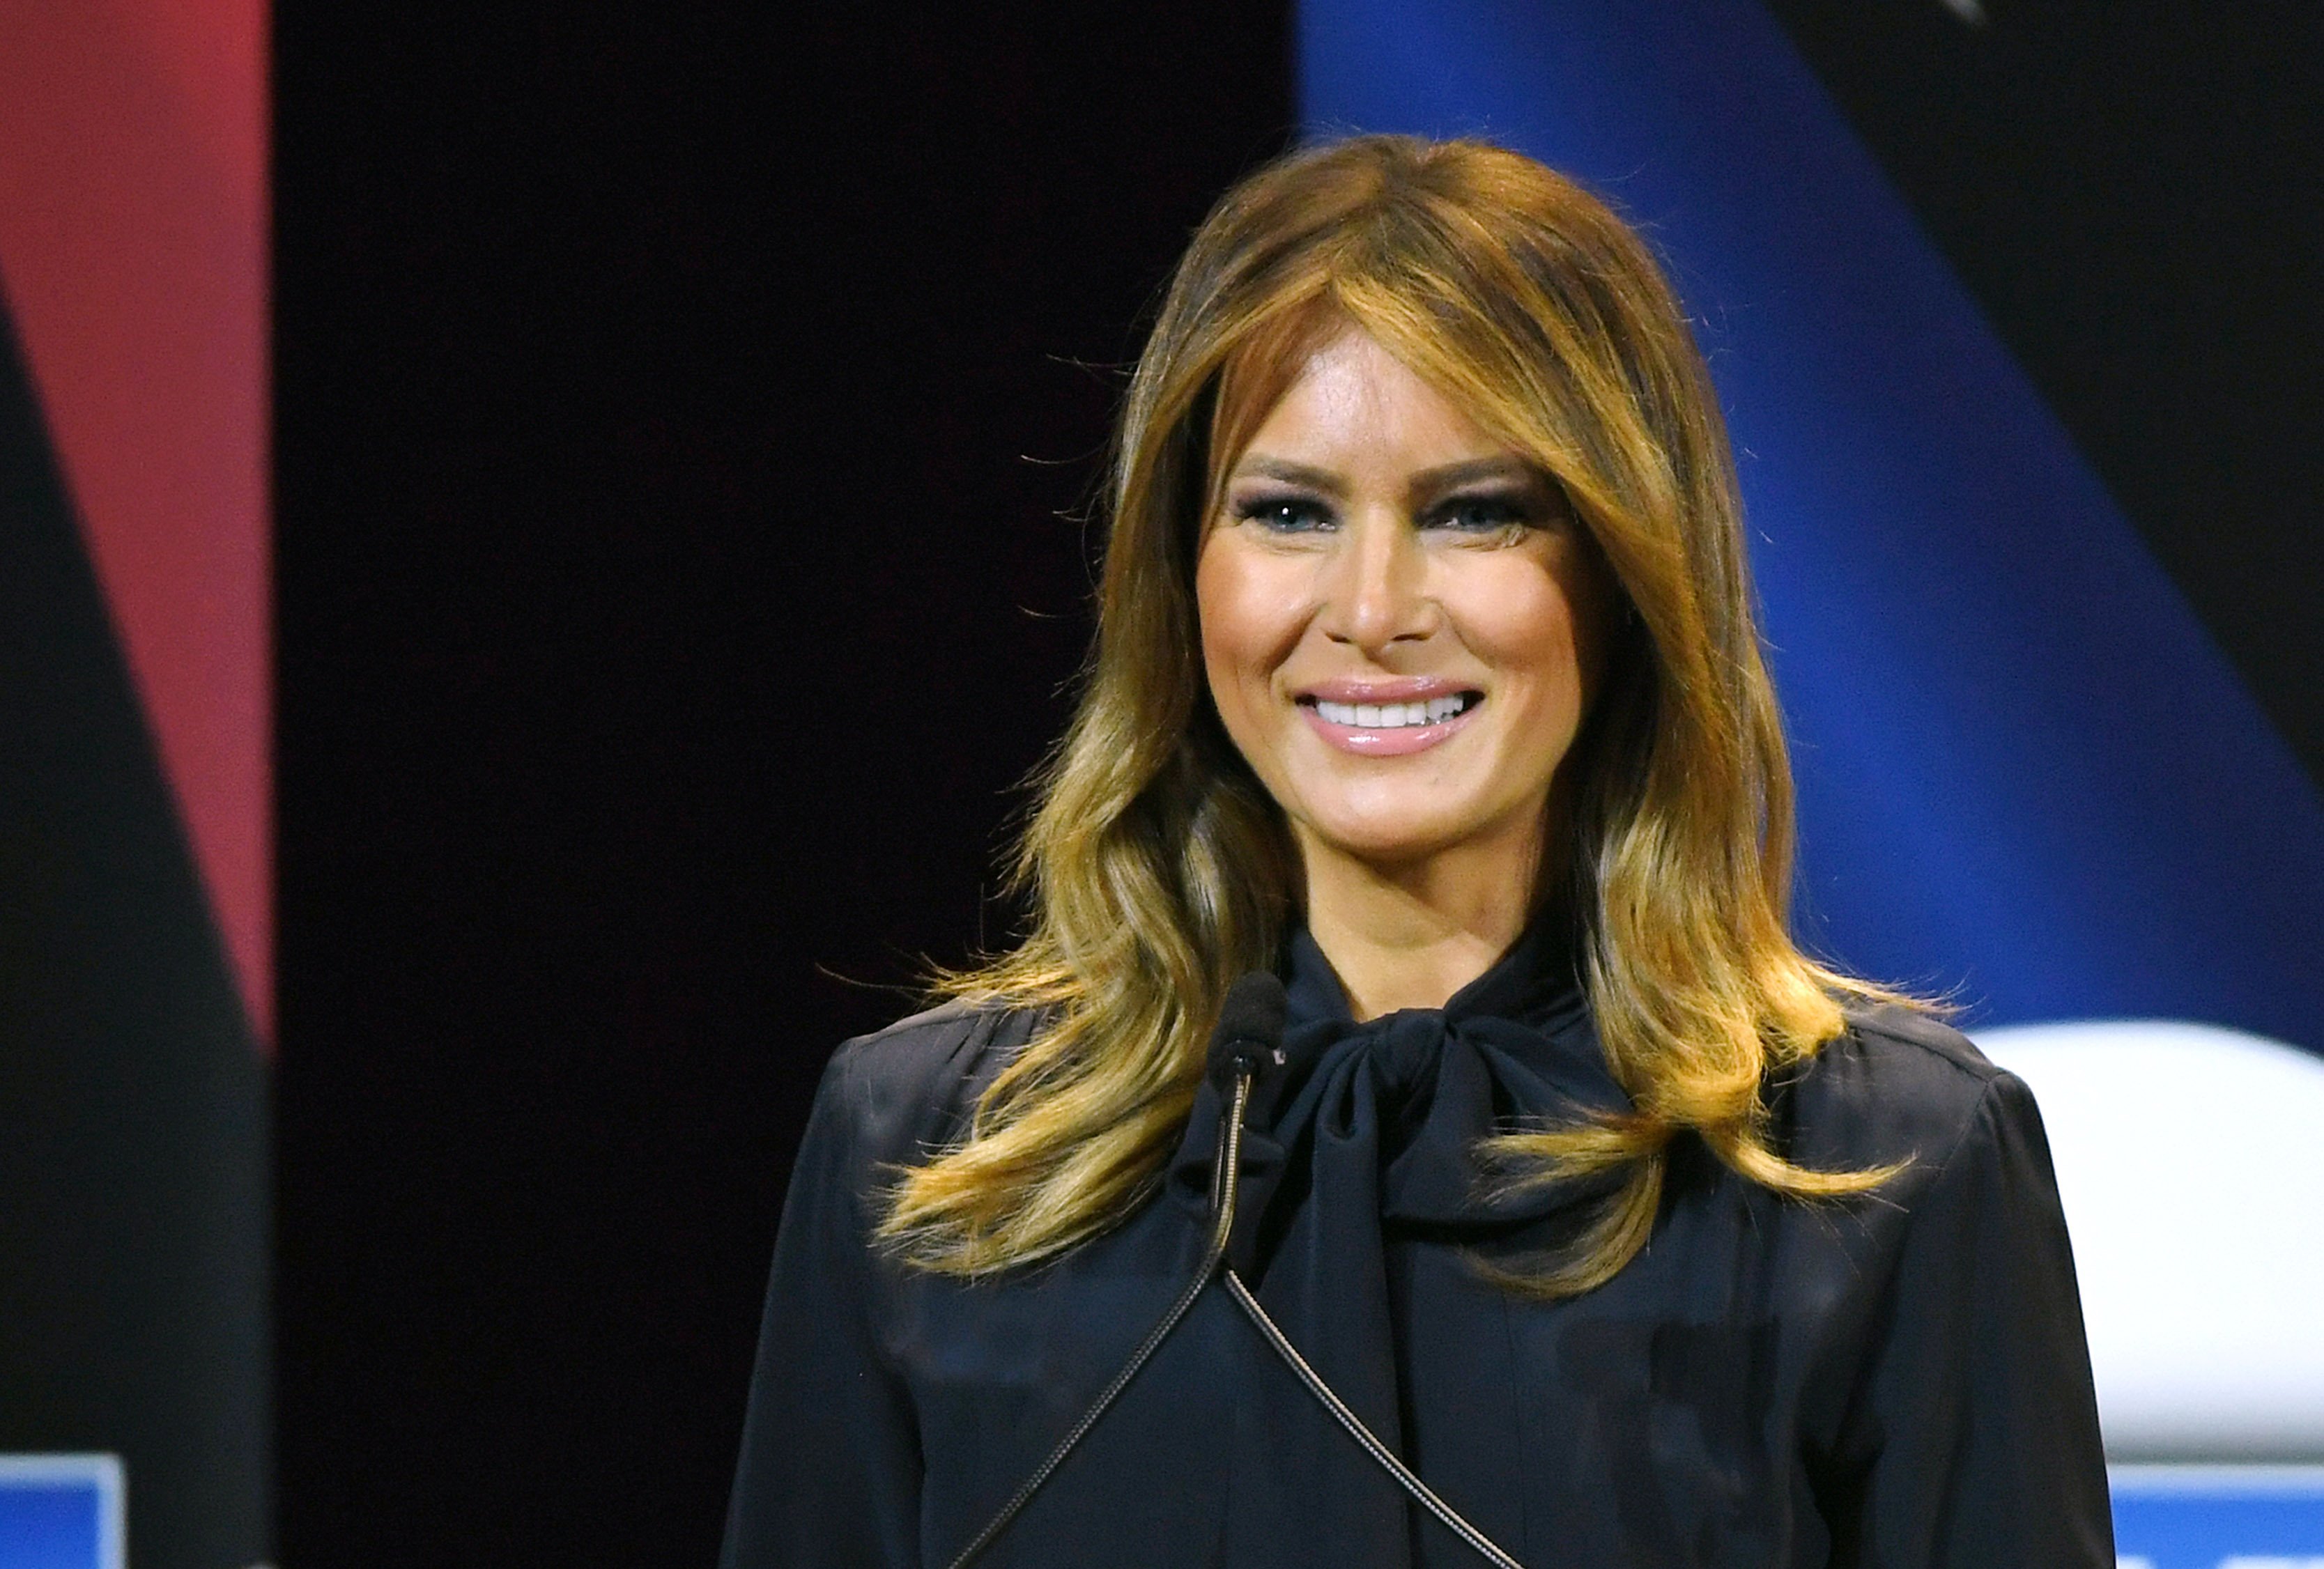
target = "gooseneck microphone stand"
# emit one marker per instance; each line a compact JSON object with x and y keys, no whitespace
{"x":1247,"y":1044}
{"x":1222,"y":1191}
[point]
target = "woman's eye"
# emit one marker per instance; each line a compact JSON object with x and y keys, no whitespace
{"x":1283,"y":515}
{"x":1482,"y":514}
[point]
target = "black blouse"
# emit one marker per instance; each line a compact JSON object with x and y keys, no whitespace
{"x":1897,"y":1379}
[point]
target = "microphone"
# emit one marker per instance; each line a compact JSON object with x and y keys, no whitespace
{"x":1250,"y":1034}
{"x":1247,"y":1042}
{"x":1246,"y":1046}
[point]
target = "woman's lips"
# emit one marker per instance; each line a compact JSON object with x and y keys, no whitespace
{"x":1389,"y":729}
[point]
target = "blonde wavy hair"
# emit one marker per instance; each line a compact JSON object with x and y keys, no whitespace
{"x":1156,"y":868}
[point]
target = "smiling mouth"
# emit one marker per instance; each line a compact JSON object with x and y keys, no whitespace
{"x":1393,"y":715}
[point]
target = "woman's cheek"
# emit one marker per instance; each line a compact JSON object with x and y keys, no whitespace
{"x":1252,"y":605}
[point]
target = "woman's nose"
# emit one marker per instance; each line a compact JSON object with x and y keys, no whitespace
{"x":1376,"y":589}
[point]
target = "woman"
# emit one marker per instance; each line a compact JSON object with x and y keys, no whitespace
{"x":1427,"y":677}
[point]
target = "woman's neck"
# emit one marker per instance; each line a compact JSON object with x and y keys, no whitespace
{"x":1411,"y":935}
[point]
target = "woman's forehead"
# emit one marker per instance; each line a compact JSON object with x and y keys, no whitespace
{"x":1353,"y":408}
{"x":1328,"y":360}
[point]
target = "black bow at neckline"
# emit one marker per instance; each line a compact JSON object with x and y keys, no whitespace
{"x":1395,"y":1107}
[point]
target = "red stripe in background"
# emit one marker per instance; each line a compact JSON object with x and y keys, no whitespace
{"x":133,"y":257}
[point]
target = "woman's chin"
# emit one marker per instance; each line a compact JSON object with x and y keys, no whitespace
{"x":1399,"y":833}
{"x":1397,"y":843}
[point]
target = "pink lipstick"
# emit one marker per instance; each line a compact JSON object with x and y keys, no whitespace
{"x":1394,"y":717}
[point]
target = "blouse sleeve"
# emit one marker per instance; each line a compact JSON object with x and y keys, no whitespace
{"x":830,"y":1468}
{"x":1977,"y":1432}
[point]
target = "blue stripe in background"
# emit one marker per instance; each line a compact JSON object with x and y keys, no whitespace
{"x":2025,"y":771}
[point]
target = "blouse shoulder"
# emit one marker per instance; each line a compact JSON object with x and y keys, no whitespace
{"x":1970,"y":1432}
{"x":909,"y":1089}
{"x":1894,"y":1086}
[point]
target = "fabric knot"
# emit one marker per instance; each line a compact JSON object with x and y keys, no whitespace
{"x":1378,"y":1122}
{"x":1405,"y":1051}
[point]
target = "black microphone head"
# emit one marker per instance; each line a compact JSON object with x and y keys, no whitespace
{"x":1251,"y":1029}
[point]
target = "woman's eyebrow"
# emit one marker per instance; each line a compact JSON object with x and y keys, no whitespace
{"x":1290,"y":472}
{"x":1429,"y":481}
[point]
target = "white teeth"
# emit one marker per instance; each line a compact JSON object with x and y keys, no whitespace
{"x":1390,"y":716}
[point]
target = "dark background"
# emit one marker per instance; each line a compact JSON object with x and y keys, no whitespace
{"x":676,"y":412}
{"x":676,"y":408}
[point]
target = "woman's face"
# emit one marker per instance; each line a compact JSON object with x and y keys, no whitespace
{"x":1400,"y":621}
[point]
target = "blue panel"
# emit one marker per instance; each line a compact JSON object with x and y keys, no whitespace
{"x":53,"y":1524}
{"x":2025,"y":771}
{"x":2199,"y":1516}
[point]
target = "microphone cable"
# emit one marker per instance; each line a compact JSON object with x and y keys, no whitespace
{"x":1247,"y":1043}
{"x":1381,"y":1454}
